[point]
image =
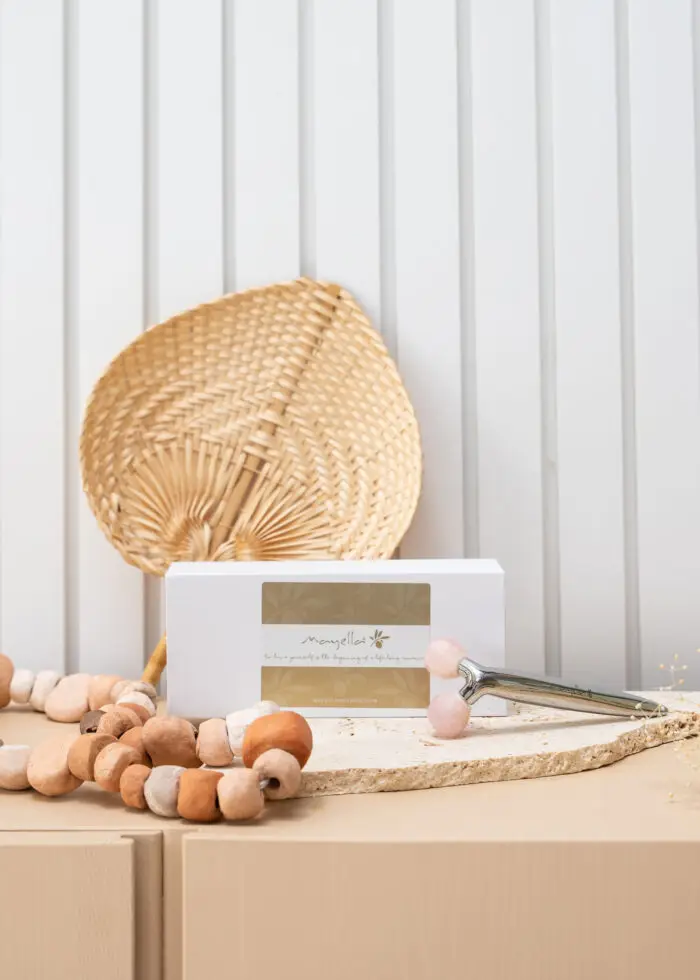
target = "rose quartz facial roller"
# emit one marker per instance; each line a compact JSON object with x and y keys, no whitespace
{"x":449,"y":713}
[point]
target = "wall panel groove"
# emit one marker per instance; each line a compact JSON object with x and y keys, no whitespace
{"x":511,"y":188}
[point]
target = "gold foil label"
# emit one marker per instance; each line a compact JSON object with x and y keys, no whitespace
{"x":346,"y":603}
{"x":345,"y":644}
{"x":347,"y":687}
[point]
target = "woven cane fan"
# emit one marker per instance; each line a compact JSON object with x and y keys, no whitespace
{"x":271,"y":424}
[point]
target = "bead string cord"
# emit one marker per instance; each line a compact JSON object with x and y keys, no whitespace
{"x":163,"y":764}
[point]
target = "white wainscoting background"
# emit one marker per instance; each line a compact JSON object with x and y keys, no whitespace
{"x":511,"y":189}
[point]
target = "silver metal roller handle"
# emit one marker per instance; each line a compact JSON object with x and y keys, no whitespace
{"x":549,"y":694}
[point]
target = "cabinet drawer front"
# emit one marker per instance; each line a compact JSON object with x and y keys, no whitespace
{"x":67,"y":906}
{"x":420,"y":910}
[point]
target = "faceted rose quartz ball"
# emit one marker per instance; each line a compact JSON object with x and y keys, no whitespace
{"x":442,"y":658}
{"x":448,"y":714}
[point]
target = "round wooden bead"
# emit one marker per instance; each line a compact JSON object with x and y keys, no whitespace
{"x":98,"y":690}
{"x":7,"y":669}
{"x":142,"y":687}
{"x":138,"y":709}
{"x":285,"y":730}
{"x":240,"y":797}
{"x":161,"y":790}
{"x":69,"y":699}
{"x":132,"y":697}
{"x":117,"y":688}
{"x":21,"y":686}
{"x":197,"y":799}
{"x":171,"y":741}
{"x":117,"y":721}
{"x":134,"y":738}
{"x":213,"y":748}
{"x":131,"y":785}
{"x":111,"y":763}
{"x":48,"y":771}
{"x":14,"y":760}
{"x":90,"y":722}
{"x":83,"y":753}
{"x":44,"y":683}
{"x":283,"y":772}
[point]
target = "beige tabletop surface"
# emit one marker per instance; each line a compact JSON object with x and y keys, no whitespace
{"x":652,"y":796}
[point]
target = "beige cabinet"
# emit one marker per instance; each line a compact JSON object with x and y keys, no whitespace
{"x":425,"y":909}
{"x":83,"y":904}
{"x":587,"y":876}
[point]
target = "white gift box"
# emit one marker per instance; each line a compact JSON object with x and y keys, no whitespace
{"x":333,"y":639}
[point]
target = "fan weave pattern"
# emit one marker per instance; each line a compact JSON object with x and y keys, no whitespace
{"x":271,"y":424}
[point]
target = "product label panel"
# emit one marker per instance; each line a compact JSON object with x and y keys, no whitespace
{"x":346,"y":644}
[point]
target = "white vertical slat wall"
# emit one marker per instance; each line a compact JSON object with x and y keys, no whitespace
{"x":511,"y":189}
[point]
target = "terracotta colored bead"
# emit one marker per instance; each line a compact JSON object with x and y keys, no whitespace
{"x":171,"y":741}
{"x":134,"y":738}
{"x":90,"y":721}
{"x":213,"y":748}
{"x":7,"y":669}
{"x":117,"y":721}
{"x":48,"y":771}
{"x":44,"y":683}
{"x":83,"y":752}
{"x":69,"y":699}
{"x":138,"y":709}
{"x":138,"y":697}
{"x":283,"y":771}
{"x":14,"y":760}
{"x":197,"y":799}
{"x":99,"y":688}
{"x":111,"y":763}
{"x":285,"y":730}
{"x":240,"y":797}
{"x":132,"y":783}
{"x":21,"y":686}
{"x":161,"y":790}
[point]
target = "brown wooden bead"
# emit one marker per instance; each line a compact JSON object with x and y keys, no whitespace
{"x":98,"y":690}
{"x":48,"y":771}
{"x":131,"y":785}
{"x":111,"y":763}
{"x":83,"y":752}
{"x":284,"y":730}
{"x":117,"y":721}
{"x":90,"y":721}
{"x":197,"y":798}
{"x":213,"y":748}
{"x":171,"y":741}
{"x":7,"y":669}
{"x":68,"y":701}
{"x":134,"y":738}
{"x":138,"y":709}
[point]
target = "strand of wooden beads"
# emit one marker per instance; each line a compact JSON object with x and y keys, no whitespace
{"x":164,"y":764}
{"x":67,"y":698}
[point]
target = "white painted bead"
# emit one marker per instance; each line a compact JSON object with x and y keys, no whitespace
{"x":143,"y":686}
{"x":14,"y":760}
{"x":44,"y":683}
{"x":21,"y":686}
{"x":161,"y":788}
{"x":137,"y":697}
{"x":238,"y":721}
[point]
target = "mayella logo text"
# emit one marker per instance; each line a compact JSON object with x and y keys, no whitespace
{"x":349,"y":639}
